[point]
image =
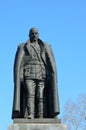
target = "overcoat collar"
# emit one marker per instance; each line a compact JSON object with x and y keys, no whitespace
{"x":41,"y":44}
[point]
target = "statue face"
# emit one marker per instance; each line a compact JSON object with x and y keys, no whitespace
{"x":34,"y":34}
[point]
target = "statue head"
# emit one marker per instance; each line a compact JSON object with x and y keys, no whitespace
{"x":33,"y":34}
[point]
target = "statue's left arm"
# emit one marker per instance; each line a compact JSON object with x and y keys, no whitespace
{"x":53,"y":81}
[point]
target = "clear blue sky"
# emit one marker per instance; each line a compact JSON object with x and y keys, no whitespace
{"x":62,"y":23}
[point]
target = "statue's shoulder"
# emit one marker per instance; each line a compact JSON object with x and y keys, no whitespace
{"x":47,"y":46}
{"x":21,"y":45}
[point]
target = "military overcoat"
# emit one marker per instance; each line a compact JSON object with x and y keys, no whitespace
{"x":51,"y":88}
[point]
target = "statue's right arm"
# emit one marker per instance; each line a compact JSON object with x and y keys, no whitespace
{"x":17,"y":63}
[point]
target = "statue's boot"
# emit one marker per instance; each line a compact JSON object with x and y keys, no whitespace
{"x":40,"y":108}
{"x":30,"y":107}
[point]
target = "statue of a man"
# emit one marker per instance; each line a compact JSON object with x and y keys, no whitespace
{"x":35,"y":80}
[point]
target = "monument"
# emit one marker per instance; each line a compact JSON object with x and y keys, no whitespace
{"x":36,"y":100}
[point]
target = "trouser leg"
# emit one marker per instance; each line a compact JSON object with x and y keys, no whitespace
{"x":40,"y":97}
{"x":30,"y":96}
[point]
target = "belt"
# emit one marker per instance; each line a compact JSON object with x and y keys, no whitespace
{"x":35,"y":62}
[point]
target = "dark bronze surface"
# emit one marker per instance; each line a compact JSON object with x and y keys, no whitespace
{"x":35,"y":80}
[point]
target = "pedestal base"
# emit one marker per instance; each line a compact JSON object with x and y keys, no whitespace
{"x":37,"y":124}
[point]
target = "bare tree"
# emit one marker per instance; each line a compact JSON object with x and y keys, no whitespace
{"x":82,"y":109}
{"x":75,"y":113}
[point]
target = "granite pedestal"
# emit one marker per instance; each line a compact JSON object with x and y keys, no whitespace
{"x":37,"y":124}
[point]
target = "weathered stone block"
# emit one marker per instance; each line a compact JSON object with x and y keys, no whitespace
{"x":37,"y":124}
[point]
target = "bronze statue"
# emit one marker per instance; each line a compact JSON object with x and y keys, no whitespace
{"x":35,"y":80}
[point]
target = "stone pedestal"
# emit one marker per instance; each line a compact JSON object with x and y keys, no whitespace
{"x":37,"y":124}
